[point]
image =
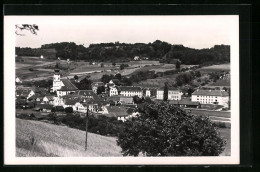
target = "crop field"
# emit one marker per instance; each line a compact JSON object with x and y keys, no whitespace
{"x":32,"y":140}
{"x":221,"y":83}
{"x":215,"y":68}
{"x":224,"y":114}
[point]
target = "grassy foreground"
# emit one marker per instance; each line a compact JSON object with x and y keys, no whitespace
{"x":39,"y":139}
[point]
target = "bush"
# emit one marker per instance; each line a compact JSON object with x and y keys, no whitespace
{"x":69,"y":110}
{"x":167,"y":130}
{"x":31,"y":69}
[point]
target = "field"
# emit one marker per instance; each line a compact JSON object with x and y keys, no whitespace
{"x":215,"y":68}
{"x":225,"y":133}
{"x":32,"y":140}
{"x":223,"y":114}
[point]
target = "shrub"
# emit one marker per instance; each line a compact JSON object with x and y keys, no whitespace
{"x":166,"y":130}
{"x":69,"y":110}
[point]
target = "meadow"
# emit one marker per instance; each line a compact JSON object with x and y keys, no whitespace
{"x":37,"y":139}
{"x":215,"y":68}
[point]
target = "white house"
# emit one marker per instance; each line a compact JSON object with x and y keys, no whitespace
{"x":113,"y":91}
{"x":173,"y":94}
{"x":136,"y":58}
{"x":18,"y":80}
{"x":148,"y":93}
{"x":219,"y":97}
{"x":130,"y":91}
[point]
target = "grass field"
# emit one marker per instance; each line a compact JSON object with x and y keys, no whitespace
{"x":35,"y":139}
{"x":211,"y":113}
{"x":215,"y":68}
{"x":225,"y":133}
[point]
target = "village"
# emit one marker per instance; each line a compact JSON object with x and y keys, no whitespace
{"x":113,"y":99}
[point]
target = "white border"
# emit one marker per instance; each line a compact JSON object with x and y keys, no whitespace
{"x":9,"y":115}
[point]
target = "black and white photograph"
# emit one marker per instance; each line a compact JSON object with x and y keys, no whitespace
{"x":122,"y":89}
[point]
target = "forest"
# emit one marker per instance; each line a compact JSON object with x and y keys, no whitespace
{"x":124,"y":52}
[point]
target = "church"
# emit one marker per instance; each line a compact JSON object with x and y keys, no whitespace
{"x":62,"y":86}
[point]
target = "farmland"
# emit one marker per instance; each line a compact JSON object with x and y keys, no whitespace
{"x":215,"y":68}
{"x":60,"y":141}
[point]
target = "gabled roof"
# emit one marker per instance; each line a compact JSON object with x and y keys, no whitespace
{"x":210,"y":93}
{"x":117,"y":111}
{"x":169,"y":89}
{"x":86,"y":93}
{"x":68,"y":86}
{"x":114,"y":98}
{"x":71,"y":101}
{"x":129,"y":88}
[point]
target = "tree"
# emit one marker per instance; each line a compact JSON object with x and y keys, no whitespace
{"x":102,"y":64}
{"x":161,"y":129}
{"x":114,"y":64}
{"x":118,"y":76}
{"x":33,"y":28}
{"x":84,"y":84}
{"x":178,"y":65}
{"x":137,"y":100}
{"x":100,"y":89}
{"x":69,"y":110}
{"x":76,"y":77}
{"x":165,"y":92}
{"x":122,"y":66}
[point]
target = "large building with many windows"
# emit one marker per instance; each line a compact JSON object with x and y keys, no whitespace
{"x":219,"y":97}
{"x":173,"y":94}
{"x":130,"y":91}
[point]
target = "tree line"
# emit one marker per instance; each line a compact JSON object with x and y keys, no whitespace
{"x":122,"y":52}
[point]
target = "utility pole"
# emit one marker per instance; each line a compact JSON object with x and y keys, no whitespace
{"x":86,"y":142}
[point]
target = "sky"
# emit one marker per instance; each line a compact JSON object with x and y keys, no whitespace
{"x":191,"y":31}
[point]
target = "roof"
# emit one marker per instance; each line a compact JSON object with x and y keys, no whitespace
{"x":86,"y":93}
{"x":68,"y":86}
{"x":50,"y":97}
{"x":169,"y":89}
{"x":71,"y":101}
{"x":129,"y":88}
{"x":24,"y":92}
{"x":114,"y":98}
{"x":117,"y":111}
{"x":210,"y":93}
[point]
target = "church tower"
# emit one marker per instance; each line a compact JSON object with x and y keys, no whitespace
{"x":56,"y":80}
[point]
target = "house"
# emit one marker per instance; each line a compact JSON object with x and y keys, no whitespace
{"x":62,"y":86}
{"x":110,"y":84}
{"x":147,"y":92}
{"x":24,"y":93}
{"x":119,"y":112}
{"x":44,"y":107}
{"x":95,"y":86}
{"x":85,"y":94}
{"x":48,"y":99}
{"x":126,"y":100}
{"x":113,"y":91}
{"x":130,"y":91}
{"x":173,"y":94}
{"x":18,"y":80}
{"x":219,"y":97}
{"x":136,"y":58}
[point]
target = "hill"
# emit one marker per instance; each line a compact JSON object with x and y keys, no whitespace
{"x":36,"y":139}
{"x":122,"y":52}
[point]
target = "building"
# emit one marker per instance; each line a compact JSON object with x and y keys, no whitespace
{"x":130,"y":91}
{"x":89,"y":94}
{"x":113,"y":91}
{"x":24,"y":93}
{"x":219,"y":97}
{"x":136,"y":58}
{"x":62,"y":86}
{"x":18,"y":80}
{"x":173,"y":94}
{"x":119,"y":112}
{"x":95,"y":86}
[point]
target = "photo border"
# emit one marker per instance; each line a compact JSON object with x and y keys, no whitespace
{"x":244,"y":37}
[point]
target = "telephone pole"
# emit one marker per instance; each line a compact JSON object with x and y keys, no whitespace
{"x":86,"y":142}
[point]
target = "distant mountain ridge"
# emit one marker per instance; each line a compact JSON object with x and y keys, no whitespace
{"x":124,"y":52}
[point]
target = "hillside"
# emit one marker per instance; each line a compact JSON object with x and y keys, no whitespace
{"x":122,"y":52}
{"x":34,"y":138}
